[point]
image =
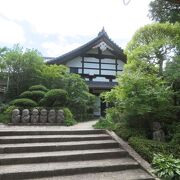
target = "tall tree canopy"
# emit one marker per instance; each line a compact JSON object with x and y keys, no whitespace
{"x":22,"y":68}
{"x":165,"y":11}
{"x":155,"y":44}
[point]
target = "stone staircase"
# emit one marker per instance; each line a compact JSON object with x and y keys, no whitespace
{"x":66,"y":155}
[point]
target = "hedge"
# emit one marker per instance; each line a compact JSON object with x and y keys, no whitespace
{"x":24,"y":103}
{"x":34,"y":95}
{"x":38,"y":88}
{"x":69,"y":119}
{"x":55,"y":98}
{"x":147,"y":148}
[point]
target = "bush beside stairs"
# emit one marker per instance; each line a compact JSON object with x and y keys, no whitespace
{"x":66,"y":155}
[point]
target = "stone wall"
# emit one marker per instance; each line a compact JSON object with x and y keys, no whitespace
{"x":36,"y":116}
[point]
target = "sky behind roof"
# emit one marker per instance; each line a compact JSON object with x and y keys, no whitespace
{"x":55,"y":27}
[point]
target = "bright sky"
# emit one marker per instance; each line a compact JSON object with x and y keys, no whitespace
{"x":55,"y":27}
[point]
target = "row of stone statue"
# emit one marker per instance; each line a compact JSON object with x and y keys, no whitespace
{"x":37,"y":116}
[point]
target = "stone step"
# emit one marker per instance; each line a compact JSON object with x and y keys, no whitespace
{"x":60,"y":156}
{"x":52,"y":138}
{"x":47,"y":132}
{"x":27,"y":171}
{"x":57,"y":146}
{"x":132,"y":174}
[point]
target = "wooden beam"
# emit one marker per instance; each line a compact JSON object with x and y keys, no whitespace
{"x":82,"y":64}
{"x":101,"y":56}
{"x":116,"y":67}
{"x":93,"y":62}
{"x":101,"y":69}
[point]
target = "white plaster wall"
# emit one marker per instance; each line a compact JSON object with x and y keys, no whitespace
{"x":108,"y":66}
{"x":91,"y":71}
{"x":91,"y":59}
{"x":76,"y":62}
{"x":104,"y":72}
{"x":93,"y":51}
{"x":108,"y":60}
{"x":106,"y":52}
{"x":120,"y":64}
{"x":90,"y":65}
{"x":102,"y":79}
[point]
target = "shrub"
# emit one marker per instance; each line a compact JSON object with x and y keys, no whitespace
{"x":24,"y":103}
{"x":37,"y":95}
{"x":147,"y":148}
{"x":166,"y":166}
{"x":69,"y":120}
{"x":176,"y":139}
{"x":126,"y":132}
{"x":26,"y":94}
{"x":55,"y":98}
{"x":4,"y":118}
{"x":38,"y":88}
{"x":34,"y":95}
{"x":5,"y":115}
{"x":105,"y":124}
{"x":3,"y":107}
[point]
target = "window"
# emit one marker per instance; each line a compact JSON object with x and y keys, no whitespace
{"x":74,"y":70}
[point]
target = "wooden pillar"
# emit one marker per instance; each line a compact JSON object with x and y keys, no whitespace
{"x":82,"y":64}
{"x":99,"y":66}
{"x":99,"y":53}
{"x":116,"y":66}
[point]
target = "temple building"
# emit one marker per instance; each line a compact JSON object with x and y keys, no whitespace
{"x":99,"y":62}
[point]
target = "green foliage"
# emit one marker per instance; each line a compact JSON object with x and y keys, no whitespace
{"x":55,"y":98}
{"x":140,"y":99}
{"x":80,"y":100}
{"x":155,"y":44}
{"x":121,"y":129}
{"x":172,"y":75}
{"x":23,"y":69}
{"x":125,"y":132}
{"x":176,"y":138}
{"x":164,"y":10}
{"x":105,"y":124}
{"x":24,"y":103}
{"x":166,"y":166}
{"x":5,"y":113}
{"x":38,"y":88}
{"x":69,"y":119}
{"x":34,"y":95}
{"x":53,"y":76}
{"x":4,"y":118}
{"x":147,"y":148}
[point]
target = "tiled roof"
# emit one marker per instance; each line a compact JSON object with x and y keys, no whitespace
{"x":102,"y":36}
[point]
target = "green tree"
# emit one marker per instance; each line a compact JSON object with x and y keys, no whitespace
{"x":3,"y":51}
{"x":23,"y":68}
{"x":53,"y":76}
{"x":155,"y":44}
{"x":80,"y":100}
{"x":141,"y":98}
{"x":172,"y":74}
{"x":164,"y":11}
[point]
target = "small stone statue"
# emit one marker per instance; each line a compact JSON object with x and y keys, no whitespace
{"x":43,"y":116}
{"x":16,"y":117}
{"x":52,"y":116}
{"x":60,"y":116}
{"x":35,"y":116}
{"x":25,"y":116}
{"x":158,"y":133}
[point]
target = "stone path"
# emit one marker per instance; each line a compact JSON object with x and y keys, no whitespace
{"x":69,"y":153}
{"x":82,"y":125}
